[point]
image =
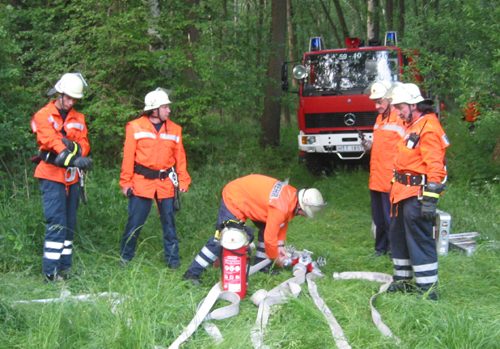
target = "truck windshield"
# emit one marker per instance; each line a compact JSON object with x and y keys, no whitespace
{"x":349,"y":72}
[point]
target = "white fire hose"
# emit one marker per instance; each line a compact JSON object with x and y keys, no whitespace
{"x":203,"y":312}
{"x":378,"y":277}
{"x":114,"y":299}
{"x":264,"y":300}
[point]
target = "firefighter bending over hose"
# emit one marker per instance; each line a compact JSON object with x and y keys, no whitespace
{"x":419,"y":171}
{"x":270,"y":205}
{"x":61,"y":133}
{"x":153,"y":168}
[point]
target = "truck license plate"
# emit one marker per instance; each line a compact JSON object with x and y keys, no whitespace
{"x":349,"y":148}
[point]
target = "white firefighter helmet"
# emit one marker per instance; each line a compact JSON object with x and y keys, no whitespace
{"x":379,"y":88}
{"x":232,"y":238}
{"x":406,"y":93}
{"x":70,"y":84}
{"x":156,"y":99}
{"x":390,"y":92}
{"x":311,"y":201}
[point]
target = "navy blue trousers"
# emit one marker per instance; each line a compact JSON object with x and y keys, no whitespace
{"x":59,"y":208}
{"x":413,"y":245}
{"x":138,"y":211}
{"x":212,"y":250}
{"x":381,"y":215}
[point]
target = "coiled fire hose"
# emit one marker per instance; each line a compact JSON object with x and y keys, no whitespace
{"x":280,"y":294}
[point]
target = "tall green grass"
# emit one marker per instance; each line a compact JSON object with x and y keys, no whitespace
{"x":158,"y":304}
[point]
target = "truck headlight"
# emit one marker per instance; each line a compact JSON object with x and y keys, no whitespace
{"x":308,"y":139}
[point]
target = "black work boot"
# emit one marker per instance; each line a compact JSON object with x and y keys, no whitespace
{"x":267,"y":270}
{"x":427,"y":292}
{"x":53,"y":278}
{"x":401,"y":286}
{"x":193,"y":278}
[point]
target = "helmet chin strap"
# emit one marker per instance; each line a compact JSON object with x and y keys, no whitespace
{"x":386,"y":111}
{"x":61,"y":102}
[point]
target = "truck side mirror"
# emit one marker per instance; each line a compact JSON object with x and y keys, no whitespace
{"x":284,"y":77}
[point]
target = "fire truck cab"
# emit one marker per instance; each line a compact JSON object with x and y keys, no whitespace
{"x":334,"y":111}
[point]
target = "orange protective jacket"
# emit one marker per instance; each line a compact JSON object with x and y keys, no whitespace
{"x":47,"y":123}
{"x":386,"y":135}
{"x":263,"y":199}
{"x":426,"y":158}
{"x":471,"y":112}
{"x":157,"y":151}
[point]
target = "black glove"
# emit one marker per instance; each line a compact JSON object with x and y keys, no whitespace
{"x":70,"y":159}
{"x":72,"y":146}
{"x":65,"y":158}
{"x":430,"y":197}
{"x":83,"y":163}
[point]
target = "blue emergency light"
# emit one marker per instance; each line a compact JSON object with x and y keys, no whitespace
{"x":316,"y":43}
{"x":391,"y":38}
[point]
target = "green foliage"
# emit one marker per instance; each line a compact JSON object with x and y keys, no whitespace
{"x":458,"y":47}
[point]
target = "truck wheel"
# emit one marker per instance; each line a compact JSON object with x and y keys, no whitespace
{"x":319,"y":164}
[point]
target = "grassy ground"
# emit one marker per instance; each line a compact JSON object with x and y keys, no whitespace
{"x":159,"y":304}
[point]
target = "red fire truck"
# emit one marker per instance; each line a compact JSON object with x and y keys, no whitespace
{"x":334,"y":110}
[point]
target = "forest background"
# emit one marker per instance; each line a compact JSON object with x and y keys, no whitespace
{"x":222,"y":60}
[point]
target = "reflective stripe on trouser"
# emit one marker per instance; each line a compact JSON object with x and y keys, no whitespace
{"x":260,"y":252}
{"x":412,"y":243}
{"x":138,"y":212}
{"x":381,"y":215}
{"x":59,"y":207}
{"x":211,"y":251}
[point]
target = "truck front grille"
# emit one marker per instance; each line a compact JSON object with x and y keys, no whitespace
{"x":321,"y":120}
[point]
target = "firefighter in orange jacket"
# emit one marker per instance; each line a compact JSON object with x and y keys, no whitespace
{"x":153,"y":167}
{"x":62,"y":136}
{"x":270,"y":204}
{"x":387,"y":132}
{"x":419,"y":171}
{"x":471,"y":114}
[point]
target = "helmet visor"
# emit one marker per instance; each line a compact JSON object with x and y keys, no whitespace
{"x":314,"y":210}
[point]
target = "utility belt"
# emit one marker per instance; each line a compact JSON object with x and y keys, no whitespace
{"x":162,"y":174}
{"x":409,"y":179}
{"x":153,"y":174}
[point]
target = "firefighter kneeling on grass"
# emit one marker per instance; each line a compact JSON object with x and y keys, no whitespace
{"x":418,"y":176}
{"x":270,"y":204}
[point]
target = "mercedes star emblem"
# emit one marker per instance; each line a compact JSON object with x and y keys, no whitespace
{"x":349,"y":119}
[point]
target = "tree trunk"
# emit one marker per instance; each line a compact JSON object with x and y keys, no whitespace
{"x":292,"y":38}
{"x":401,"y":24}
{"x":191,"y":38}
{"x":370,"y":20}
{"x":272,"y":101}
{"x":376,"y":19}
{"x":496,"y":153}
{"x":340,"y":15}
{"x":260,"y":23}
{"x":335,"y":31}
{"x":389,"y":12}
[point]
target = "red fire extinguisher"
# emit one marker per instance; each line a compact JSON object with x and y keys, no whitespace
{"x":234,"y":271}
